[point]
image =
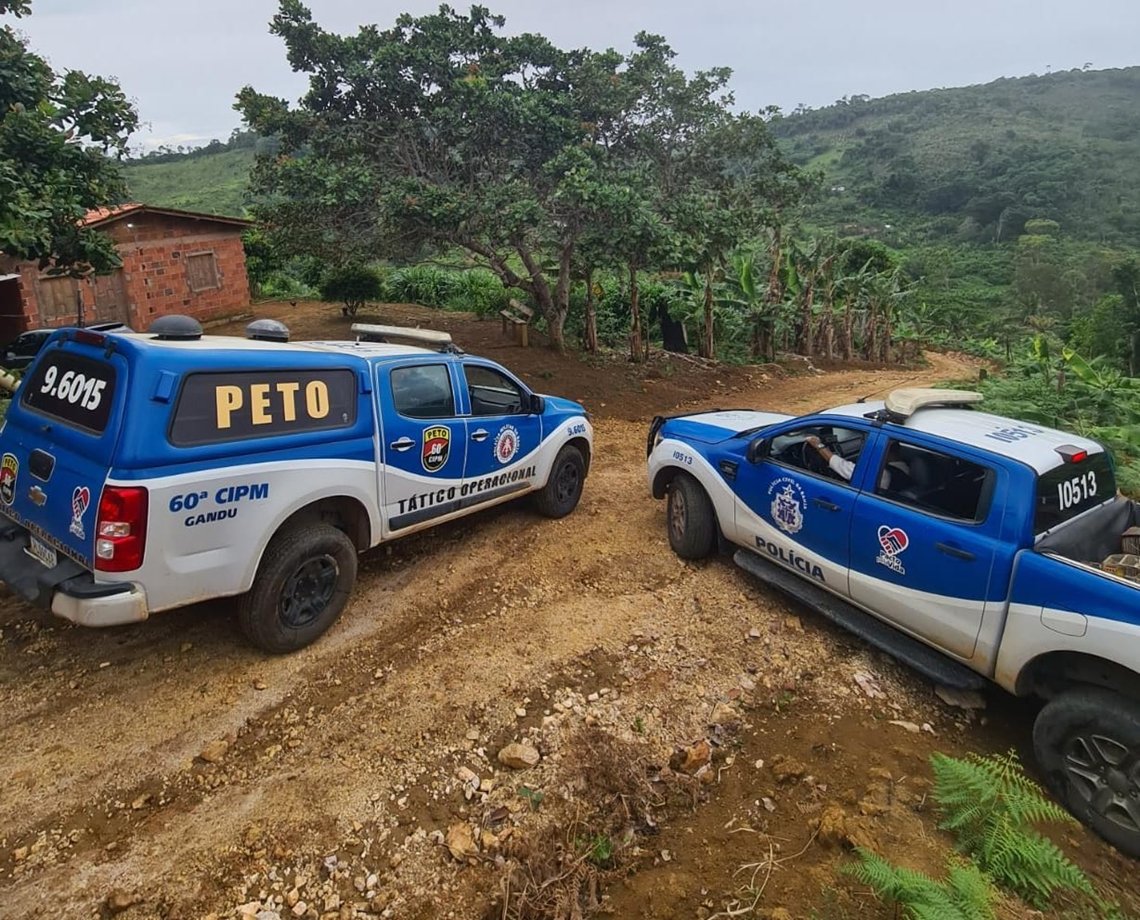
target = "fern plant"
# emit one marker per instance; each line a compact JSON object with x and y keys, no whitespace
{"x":990,"y":805}
{"x":966,"y":893}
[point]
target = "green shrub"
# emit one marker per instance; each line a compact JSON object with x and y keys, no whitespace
{"x":990,"y":806}
{"x":475,"y":290}
{"x":966,"y":894}
{"x":280,"y":285}
{"x":351,"y":285}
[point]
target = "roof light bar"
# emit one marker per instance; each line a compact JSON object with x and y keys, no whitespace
{"x":430,"y":338}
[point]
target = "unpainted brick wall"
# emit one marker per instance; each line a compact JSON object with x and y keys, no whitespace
{"x":153,"y":248}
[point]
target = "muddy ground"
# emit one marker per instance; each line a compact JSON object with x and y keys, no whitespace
{"x":169,"y":770}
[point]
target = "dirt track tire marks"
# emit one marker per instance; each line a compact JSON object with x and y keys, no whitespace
{"x":455,"y":622}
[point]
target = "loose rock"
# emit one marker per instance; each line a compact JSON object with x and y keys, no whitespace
{"x":460,"y":842}
{"x":963,"y":699}
{"x":119,"y":900}
{"x":215,"y":751}
{"x":519,"y":756}
{"x":689,"y":760}
{"x":787,"y":769}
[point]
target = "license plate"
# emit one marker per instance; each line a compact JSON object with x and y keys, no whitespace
{"x":40,"y":551}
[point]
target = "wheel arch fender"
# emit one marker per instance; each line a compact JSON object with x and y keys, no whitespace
{"x":583,"y":447}
{"x":664,"y":478}
{"x":347,"y":512}
{"x":1052,"y":673}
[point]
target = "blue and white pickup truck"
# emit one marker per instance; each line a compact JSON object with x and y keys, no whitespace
{"x":966,"y":544}
{"x":140,"y":472}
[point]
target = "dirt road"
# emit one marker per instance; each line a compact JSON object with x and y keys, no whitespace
{"x":169,"y":770}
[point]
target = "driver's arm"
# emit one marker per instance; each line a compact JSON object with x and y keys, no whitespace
{"x":839,"y":466}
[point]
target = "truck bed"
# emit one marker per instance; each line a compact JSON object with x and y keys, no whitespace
{"x":1094,"y":536}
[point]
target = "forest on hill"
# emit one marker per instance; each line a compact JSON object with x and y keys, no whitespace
{"x":1001,"y":219}
{"x":973,"y":164}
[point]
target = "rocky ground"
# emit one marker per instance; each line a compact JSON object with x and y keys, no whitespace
{"x":513,"y":718}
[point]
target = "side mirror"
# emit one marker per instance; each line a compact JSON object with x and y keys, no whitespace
{"x":758,"y":450}
{"x":537,"y":404}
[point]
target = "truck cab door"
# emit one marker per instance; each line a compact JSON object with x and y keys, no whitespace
{"x":423,"y":445}
{"x":503,"y":435}
{"x":792,"y":508}
{"x":926,"y":553}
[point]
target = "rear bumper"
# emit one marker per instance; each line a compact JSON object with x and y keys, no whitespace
{"x":68,"y":589}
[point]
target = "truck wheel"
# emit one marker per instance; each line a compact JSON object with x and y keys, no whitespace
{"x":1087,"y":742}
{"x":564,"y":486}
{"x":304,"y":580}
{"x":691,"y":519}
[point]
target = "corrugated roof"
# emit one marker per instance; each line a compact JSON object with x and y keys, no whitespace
{"x":102,"y":216}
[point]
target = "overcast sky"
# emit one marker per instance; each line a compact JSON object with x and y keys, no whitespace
{"x":182,"y":62}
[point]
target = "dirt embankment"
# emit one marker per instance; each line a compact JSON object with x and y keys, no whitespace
{"x":168,"y":770}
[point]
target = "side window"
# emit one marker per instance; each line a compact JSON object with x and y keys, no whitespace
{"x":423,"y":391}
{"x":935,"y":482}
{"x":834,"y":458}
{"x":492,"y":393}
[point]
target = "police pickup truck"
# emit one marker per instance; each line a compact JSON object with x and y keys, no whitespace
{"x":141,"y":472}
{"x":965,"y":544}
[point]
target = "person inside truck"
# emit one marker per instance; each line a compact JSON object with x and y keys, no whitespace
{"x":895,"y":475}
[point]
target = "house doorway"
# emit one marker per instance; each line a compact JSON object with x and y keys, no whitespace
{"x":111,"y":304}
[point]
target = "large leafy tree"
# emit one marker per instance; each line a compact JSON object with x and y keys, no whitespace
{"x":58,"y":135}
{"x":442,"y":132}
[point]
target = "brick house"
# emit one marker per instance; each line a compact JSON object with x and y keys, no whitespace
{"x":173,"y":262}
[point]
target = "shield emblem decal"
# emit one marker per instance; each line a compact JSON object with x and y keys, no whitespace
{"x":9,"y":470}
{"x":437,"y":445}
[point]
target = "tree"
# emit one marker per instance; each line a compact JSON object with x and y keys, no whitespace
{"x":442,"y":132}
{"x":58,"y":137}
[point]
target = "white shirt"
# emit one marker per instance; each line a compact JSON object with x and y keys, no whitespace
{"x":846,"y":469}
{"x":841,"y":467}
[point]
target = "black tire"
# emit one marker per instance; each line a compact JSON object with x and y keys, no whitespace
{"x":1087,"y":742}
{"x":301,"y":587}
{"x":690,"y":518}
{"x":563,"y":488}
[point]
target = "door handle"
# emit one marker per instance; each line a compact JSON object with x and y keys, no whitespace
{"x":402,"y":444}
{"x":479,"y":434}
{"x":825,"y":504}
{"x":954,"y":551}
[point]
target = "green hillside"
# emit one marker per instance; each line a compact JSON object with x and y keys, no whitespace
{"x":972,"y":164}
{"x":965,"y":165}
{"x":214,"y":182}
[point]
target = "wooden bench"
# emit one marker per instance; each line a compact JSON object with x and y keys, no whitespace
{"x":518,"y":317}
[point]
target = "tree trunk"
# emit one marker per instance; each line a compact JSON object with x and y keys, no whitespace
{"x":871,"y":342}
{"x":846,"y":341}
{"x":635,"y":351}
{"x":805,"y":345}
{"x":591,"y":342}
{"x":553,"y":310}
{"x":707,"y":347}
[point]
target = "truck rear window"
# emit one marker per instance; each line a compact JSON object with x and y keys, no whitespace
{"x":233,"y":406}
{"x":1072,"y":488}
{"x":72,"y":388}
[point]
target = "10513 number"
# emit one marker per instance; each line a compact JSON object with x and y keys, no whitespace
{"x":1076,"y":490}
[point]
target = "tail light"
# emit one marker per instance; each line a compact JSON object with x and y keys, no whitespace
{"x":120,"y":532}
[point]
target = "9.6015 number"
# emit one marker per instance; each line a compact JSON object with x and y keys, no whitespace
{"x":73,"y":387}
